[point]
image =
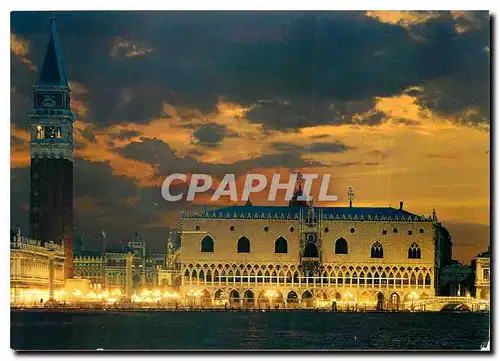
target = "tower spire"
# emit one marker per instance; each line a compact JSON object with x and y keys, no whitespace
{"x":53,"y":21}
{"x":53,"y":71}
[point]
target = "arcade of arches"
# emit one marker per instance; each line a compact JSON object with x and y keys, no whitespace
{"x":339,"y":286}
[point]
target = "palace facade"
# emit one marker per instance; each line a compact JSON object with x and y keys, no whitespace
{"x":36,"y":269}
{"x":302,"y":256}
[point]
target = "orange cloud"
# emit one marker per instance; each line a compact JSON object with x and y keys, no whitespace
{"x":465,"y":21}
{"x":19,"y":149}
{"x":20,"y":48}
{"x":403,"y":18}
{"x":101,"y":150}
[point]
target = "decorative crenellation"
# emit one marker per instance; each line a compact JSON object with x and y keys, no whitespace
{"x":297,"y":216}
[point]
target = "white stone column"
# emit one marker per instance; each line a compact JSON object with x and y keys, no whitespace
{"x":51,"y":276}
{"x":128,"y":273}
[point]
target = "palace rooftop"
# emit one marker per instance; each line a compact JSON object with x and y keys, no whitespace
{"x":298,"y":212}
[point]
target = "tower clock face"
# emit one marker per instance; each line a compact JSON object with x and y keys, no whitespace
{"x":49,"y":100}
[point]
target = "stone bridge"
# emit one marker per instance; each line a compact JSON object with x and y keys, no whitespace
{"x":451,"y":303}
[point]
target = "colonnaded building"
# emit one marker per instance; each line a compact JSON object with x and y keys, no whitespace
{"x":305,"y":256}
{"x":36,"y":269}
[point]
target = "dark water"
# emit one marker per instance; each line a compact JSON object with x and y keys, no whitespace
{"x":247,"y":330}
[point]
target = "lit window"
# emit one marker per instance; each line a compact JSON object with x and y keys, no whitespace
{"x":414,"y":251}
{"x":377,"y":250}
{"x":39,"y":132}
{"x":486,"y":274}
{"x":52,"y":133}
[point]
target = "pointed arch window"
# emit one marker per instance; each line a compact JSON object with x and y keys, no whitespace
{"x":325,"y":278}
{"x":340,"y":278}
{"x":243,"y":245}
{"x":362,"y":278}
{"x":311,"y":250}
{"x":281,"y":245}
{"x":427,"y":280}
{"x":207,"y":244}
{"x":377,"y":250}
{"x":414,"y":251}
{"x":398,"y":278}
{"x":413,"y":279}
{"x":341,"y":246}
{"x":274,"y":277}
{"x":420,"y":280}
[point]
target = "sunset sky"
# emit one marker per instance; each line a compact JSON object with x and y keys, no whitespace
{"x":392,"y":103}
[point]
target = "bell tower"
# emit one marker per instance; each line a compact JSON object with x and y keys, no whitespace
{"x":52,"y":153}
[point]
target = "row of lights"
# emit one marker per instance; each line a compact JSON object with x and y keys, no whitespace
{"x":347,"y":296}
{"x":150,"y":296}
{"x":33,"y":295}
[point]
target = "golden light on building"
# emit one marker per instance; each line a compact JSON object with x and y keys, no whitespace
{"x":302,"y":256}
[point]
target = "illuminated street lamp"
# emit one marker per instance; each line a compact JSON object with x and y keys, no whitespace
{"x":349,"y":299}
{"x":413,"y":297}
{"x":270,"y":294}
{"x":195,"y":294}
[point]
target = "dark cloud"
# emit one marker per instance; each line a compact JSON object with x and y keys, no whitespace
{"x":373,"y":118}
{"x":127,"y":134}
{"x":210,"y":135}
{"x":87,"y":134}
{"x":317,"y":147}
{"x":159,"y":154}
{"x":304,"y":112}
{"x":19,"y":198}
{"x":330,"y":58}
